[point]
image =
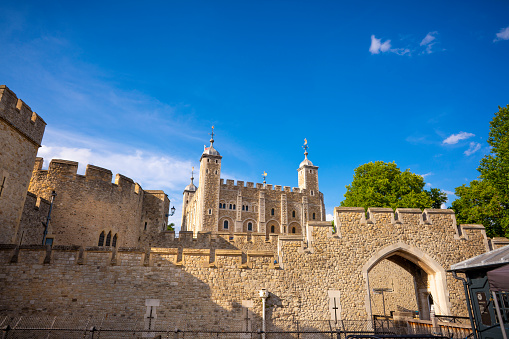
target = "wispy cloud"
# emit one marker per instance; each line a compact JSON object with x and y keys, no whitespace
{"x":473,"y":147}
{"x":428,"y":43}
{"x":150,"y":169}
{"x":425,"y":46}
{"x":502,"y":35}
{"x":329,"y":217}
{"x":426,"y":175}
{"x":455,"y":138}
{"x":377,"y":46}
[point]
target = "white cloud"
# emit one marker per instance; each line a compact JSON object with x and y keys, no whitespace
{"x":329,"y":217}
{"x":426,"y":175}
{"x":150,"y":169}
{"x":502,"y":35}
{"x":377,"y":46}
{"x":455,"y":138}
{"x":448,"y":192}
{"x":473,"y":147}
{"x":428,"y":38}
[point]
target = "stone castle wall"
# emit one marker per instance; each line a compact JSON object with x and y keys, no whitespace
{"x":32,"y":224}
{"x":89,"y":204}
{"x":21,"y":132}
{"x":210,"y":285}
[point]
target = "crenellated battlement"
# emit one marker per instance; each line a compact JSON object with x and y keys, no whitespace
{"x":387,"y":217}
{"x":129,"y":256}
{"x":231,"y":184}
{"x":68,"y":170}
{"x":20,"y":116}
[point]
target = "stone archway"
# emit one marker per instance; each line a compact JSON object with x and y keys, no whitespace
{"x":436,"y":275}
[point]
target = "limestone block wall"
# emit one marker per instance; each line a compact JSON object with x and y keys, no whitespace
{"x":209,"y":287}
{"x":21,"y":132}
{"x":35,"y":213}
{"x":154,"y":218}
{"x":89,"y":204}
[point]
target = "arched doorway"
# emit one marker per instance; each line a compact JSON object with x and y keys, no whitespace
{"x":402,"y":278}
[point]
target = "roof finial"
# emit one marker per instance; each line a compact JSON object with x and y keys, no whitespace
{"x":212,"y":136}
{"x":264,"y":175}
{"x":305,"y":148}
{"x":192,"y":174}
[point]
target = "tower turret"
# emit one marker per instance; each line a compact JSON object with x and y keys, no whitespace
{"x":187,"y":218}
{"x":210,"y":173}
{"x":308,"y":173}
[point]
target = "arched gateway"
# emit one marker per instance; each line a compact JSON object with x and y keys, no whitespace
{"x":435,"y":273}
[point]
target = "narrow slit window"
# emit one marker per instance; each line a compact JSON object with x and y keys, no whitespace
{"x":101,"y":239}
{"x":272,"y":229}
{"x":108,"y":239}
{"x":293,"y":229}
{"x":247,"y":208}
{"x":272,"y":212}
{"x":314,"y":216}
{"x":293,"y":214}
{"x":225,"y":224}
{"x":250,"y":227}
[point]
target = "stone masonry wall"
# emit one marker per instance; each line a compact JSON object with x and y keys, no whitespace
{"x":89,"y":204}
{"x":34,"y":216}
{"x":207,"y":287}
{"x":21,"y":132}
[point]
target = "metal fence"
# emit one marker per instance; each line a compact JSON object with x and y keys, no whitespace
{"x":110,"y":326}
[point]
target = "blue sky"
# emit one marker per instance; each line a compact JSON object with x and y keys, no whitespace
{"x":134,"y":87}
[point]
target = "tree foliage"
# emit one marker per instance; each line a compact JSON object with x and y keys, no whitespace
{"x":382,"y":184}
{"x":486,"y":201}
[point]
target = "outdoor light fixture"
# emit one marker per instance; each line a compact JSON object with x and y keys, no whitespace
{"x":172,"y":212}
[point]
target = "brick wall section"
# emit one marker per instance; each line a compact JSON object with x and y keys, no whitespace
{"x":208,"y":285}
{"x":21,"y":132}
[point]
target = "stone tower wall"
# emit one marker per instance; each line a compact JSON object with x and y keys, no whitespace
{"x":89,"y":204}
{"x":21,"y":132}
{"x":154,"y":218}
{"x":210,"y":172}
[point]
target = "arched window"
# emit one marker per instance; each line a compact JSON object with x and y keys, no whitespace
{"x":293,"y":229}
{"x":108,"y":239}
{"x":314,"y":216}
{"x":272,"y":229}
{"x":250,"y":226}
{"x":233,"y":206}
{"x":247,"y":208}
{"x":101,"y":239}
{"x":230,"y":206}
{"x":272,"y":212}
{"x":312,"y":193}
{"x":114,"y":242}
{"x":293,"y":214}
{"x":225,"y":224}
{"x":243,"y":207}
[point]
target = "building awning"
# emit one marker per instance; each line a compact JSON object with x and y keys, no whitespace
{"x":494,"y":258}
{"x":499,"y":279}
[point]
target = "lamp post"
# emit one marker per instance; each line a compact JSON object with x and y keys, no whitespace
{"x":48,"y":218}
{"x":264,"y":295}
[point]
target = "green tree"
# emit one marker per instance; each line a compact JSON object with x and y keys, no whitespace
{"x":171,"y":226}
{"x":486,"y":201}
{"x":382,"y":184}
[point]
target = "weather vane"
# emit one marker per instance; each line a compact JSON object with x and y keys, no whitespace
{"x":264,"y":175}
{"x":212,"y":136}
{"x":305,"y":147}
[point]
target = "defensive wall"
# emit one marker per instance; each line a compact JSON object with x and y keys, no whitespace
{"x":212,"y":286}
{"x":33,"y":220}
{"x":21,"y":132}
{"x":87,"y":205}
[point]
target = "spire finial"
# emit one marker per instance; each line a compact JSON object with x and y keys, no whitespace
{"x":264,"y":175}
{"x":192,"y":174}
{"x":305,"y":148}
{"x":212,"y":136}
